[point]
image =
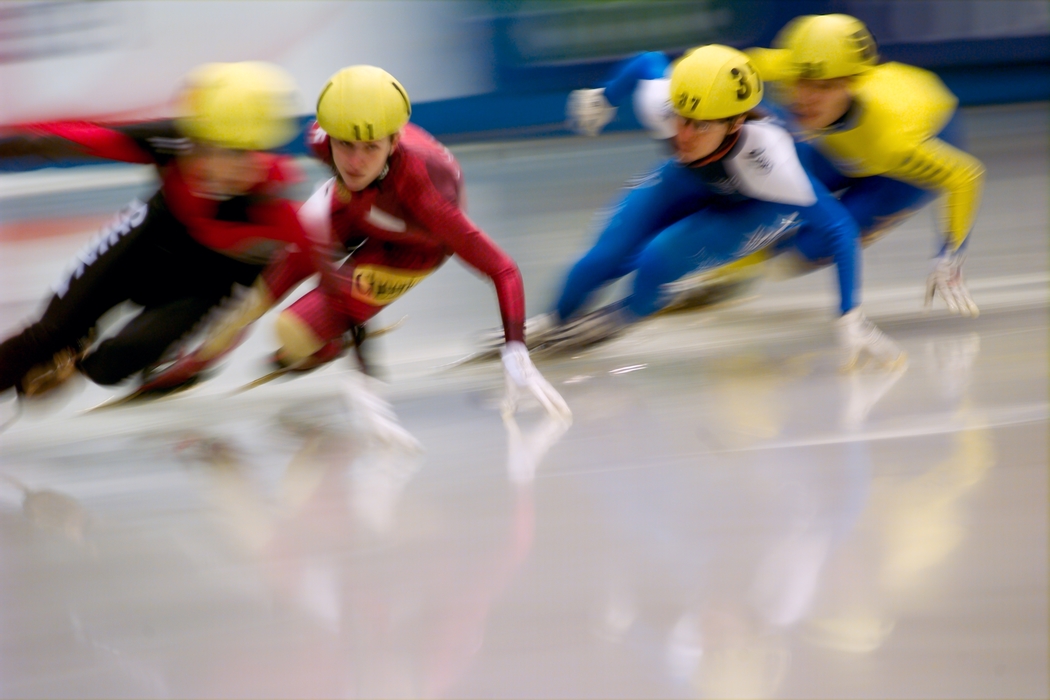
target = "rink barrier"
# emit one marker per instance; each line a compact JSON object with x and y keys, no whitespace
{"x":505,"y":114}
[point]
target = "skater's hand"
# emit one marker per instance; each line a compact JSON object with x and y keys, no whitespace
{"x":523,"y":378}
{"x":858,"y":337}
{"x":587,"y":111}
{"x":946,"y":281}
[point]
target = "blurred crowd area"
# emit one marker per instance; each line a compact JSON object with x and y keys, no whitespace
{"x":474,"y":68}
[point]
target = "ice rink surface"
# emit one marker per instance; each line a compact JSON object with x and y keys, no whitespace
{"x":728,"y":516}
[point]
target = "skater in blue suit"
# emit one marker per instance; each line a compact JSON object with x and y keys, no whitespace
{"x":734,"y":187}
{"x":886,"y":137}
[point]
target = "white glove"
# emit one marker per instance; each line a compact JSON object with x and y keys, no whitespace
{"x":375,"y":417}
{"x":858,"y":335}
{"x":522,"y":377}
{"x":946,"y":281}
{"x":587,"y":111}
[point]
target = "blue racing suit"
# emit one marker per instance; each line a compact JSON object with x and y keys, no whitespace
{"x":682,"y":219}
{"x":877,"y":201}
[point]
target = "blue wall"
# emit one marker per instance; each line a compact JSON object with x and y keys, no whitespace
{"x":541,"y":50}
{"x":545,"y":50}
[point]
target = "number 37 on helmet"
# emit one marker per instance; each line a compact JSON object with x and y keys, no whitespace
{"x":714,"y":82}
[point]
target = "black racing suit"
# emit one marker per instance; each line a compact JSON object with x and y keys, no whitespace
{"x":151,"y":255}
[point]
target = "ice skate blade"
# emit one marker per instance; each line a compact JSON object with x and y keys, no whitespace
{"x":140,"y":397}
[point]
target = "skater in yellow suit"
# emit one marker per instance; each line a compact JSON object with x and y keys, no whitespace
{"x":886,"y":137}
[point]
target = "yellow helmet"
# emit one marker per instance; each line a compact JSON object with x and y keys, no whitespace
{"x":827,"y":46}
{"x":246,"y":106}
{"x":714,"y":82}
{"x":363,"y":103}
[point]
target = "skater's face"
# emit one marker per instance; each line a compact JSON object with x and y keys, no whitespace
{"x":222,"y":172}
{"x":698,"y":138}
{"x":360,"y":162}
{"x":820,"y":103}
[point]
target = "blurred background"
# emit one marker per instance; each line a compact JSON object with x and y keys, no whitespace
{"x":728,"y":515}
{"x":474,"y":68}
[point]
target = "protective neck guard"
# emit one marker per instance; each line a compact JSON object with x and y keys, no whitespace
{"x":725,"y":147}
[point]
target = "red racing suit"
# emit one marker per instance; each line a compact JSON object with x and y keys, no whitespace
{"x":399,"y":229}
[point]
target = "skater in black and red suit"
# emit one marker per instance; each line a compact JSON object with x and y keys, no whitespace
{"x":217,"y":219}
{"x":395,"y":204}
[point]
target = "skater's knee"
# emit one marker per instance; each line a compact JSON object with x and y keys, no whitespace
{"x":655,"y":269}
{"x":107,"y":367}
{"x":117,"y":358}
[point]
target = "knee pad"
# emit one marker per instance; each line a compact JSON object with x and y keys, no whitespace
{"x":298,"y":340}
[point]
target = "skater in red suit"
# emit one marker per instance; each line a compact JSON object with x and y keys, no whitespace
{"x":395,"y":204}
{"x":217,"y":220}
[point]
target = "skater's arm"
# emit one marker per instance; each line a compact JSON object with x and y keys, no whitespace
{"x":56,"y":141}
{"x":847,"y":255}
{"x":937,"y":165}
{"x":451,"y":226}
{"x":651,"y":65}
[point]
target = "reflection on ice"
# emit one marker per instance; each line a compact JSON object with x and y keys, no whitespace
{"x":525,"y":450}
{"x":52,"y":511}
{"x":730,"y":518}
{"x":912,"y":524}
